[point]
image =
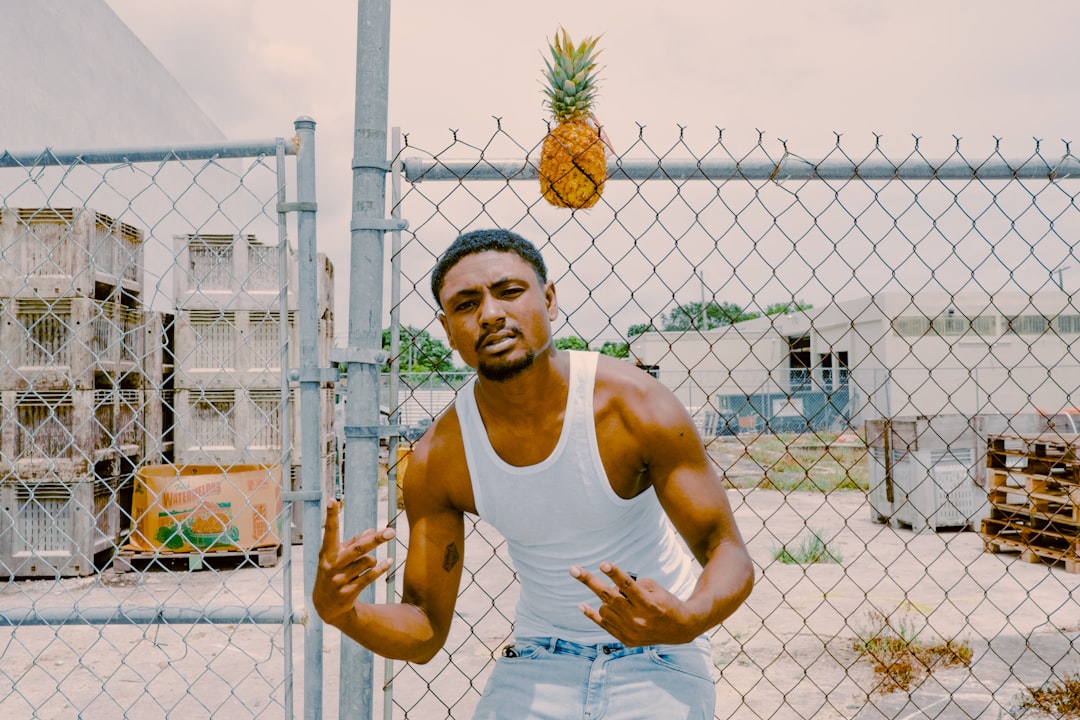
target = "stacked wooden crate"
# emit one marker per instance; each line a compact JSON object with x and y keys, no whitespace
{"x":1034,"y":492}
{"x":73,"y":338}
{"x":228,"y":355}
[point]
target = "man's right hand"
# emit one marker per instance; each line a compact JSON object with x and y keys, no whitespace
{"x":345,"y":569}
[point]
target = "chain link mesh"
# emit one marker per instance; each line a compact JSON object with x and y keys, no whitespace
{"x":143,"y":310}
{"x":849,"y":334}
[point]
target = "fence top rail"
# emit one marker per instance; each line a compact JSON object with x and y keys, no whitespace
{"x":1036,"y":168}
{"x":164,"y":153}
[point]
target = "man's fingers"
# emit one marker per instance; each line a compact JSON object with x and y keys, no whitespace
{"x":330,"y":529}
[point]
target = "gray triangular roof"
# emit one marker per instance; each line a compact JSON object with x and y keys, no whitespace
{"x":74,"y":76}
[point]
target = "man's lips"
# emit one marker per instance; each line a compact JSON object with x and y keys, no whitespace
{"x":497,"y":341}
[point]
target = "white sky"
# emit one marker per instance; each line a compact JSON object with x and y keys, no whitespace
{"x":798,"y":71}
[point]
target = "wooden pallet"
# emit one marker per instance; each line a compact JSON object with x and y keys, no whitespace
{"x":129,"y":561}
{"x":1033,"y":485}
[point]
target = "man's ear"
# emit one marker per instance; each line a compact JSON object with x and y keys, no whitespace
{"x":551,"y":301}
{"x":446,"y":329}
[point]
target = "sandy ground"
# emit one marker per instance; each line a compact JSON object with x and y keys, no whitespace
{"x":787,"y":653}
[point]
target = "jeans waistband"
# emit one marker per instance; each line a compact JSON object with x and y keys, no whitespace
{"x":589,"y":652}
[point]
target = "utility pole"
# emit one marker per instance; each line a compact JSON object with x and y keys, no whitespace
{"x":1059,"y":272}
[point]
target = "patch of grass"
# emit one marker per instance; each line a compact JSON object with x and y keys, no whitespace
{"x":811,"y":550}
{"x":1056,"y":699}
{"x":809,"y":462}
{"x":900,"y":659}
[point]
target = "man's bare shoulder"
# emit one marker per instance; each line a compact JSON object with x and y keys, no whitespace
{"x":619,"y":379}
{"x":437,"y":469}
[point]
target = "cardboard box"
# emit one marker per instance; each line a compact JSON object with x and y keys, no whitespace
{"x":203,"y":508}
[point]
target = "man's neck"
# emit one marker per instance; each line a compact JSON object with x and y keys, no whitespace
{"x":540,"y":388}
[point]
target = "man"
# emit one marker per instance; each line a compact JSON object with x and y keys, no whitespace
{"x":588,"y":467}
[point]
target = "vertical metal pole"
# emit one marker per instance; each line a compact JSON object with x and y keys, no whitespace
{"x":285,"y":427}
{"x":395,"y":415}
{"x":310,"y":410}
{"x":361,"y":492}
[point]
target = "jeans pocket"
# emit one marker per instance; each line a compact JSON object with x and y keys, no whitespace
{"x":692,"y":659}
{"x":525,"y":648}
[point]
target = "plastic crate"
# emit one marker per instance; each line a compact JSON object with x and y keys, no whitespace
{"x":936,"y":471}
{"x":240,"y":425}
{"x":55,"y":252}
{"x":67,"y":343}
{"x":230,"y":349}
{"x":237,"y":272}
{"x":64,"y":435}
{"x":55,"y":529}
{"x":329,"y":483}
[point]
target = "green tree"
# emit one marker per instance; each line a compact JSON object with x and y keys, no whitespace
{"x":571,"y":343}
{"x":693,"y":315}
{"x":639,"y":328}
{"x":782,"y":308}
{"x":420,"y":353}
{"x":615,"y":349}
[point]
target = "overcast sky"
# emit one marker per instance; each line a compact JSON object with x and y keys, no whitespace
{"x":795,"y":70}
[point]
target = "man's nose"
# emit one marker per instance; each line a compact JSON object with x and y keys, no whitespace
{"x":491,"y":310}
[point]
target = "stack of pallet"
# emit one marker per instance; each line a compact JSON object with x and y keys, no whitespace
{"x":228,"y":355}
{"x":73,"y":339}
{"x":1034,"y":492}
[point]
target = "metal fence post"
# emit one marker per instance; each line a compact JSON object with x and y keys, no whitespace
{"x":364,"y":355}
{"x":310,"y":399}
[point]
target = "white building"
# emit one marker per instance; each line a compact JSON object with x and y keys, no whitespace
{"x":889,"y":355}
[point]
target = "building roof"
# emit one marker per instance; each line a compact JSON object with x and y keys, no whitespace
{"x":76,"y":77}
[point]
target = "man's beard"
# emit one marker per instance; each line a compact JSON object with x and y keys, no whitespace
{"x":503,"y":371}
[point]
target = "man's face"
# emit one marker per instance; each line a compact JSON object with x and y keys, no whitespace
{"x":496,"y":313}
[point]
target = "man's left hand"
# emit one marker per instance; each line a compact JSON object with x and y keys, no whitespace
{"x":634,"y":611}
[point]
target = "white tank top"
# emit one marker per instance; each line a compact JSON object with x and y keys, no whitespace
{"x":562,"y":511}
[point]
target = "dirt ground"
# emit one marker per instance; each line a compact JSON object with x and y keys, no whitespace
{"x":787,"y":653}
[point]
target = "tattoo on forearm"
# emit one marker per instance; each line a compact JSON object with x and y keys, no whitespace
{"x":450,"y":557}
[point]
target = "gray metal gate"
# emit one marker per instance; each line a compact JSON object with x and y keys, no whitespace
{"x":157,"y":316}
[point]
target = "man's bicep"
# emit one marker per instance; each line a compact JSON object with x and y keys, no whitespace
{"x":433,"y":565}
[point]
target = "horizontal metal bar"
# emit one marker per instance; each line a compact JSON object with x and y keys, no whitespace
{"x":384,"y":224}
{"x":121,"y":156}
{"x":284,"y":207}
{"x":365,"y":356}
{"x":319,"y":375}
{"x":374,"y":431}
{"x":231,"y":615}
{"x":421,"y":169}
{"x":301,"y":495}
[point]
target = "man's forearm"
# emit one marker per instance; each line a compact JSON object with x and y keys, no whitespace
{"x":398,"y":631}
{"x":725,"y":582}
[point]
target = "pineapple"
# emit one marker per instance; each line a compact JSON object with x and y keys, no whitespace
{"x":573,"y":163}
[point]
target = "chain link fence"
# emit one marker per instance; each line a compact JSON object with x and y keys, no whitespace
{"x":880,"y":354}
{"x":879,"y":350}
{"x":150,"y":436}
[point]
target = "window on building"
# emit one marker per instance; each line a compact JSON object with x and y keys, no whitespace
{"x":911,"y":326}
{"x":1026,"y":324}
{"x":1067,"y":324}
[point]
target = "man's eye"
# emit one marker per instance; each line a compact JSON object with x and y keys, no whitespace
{"x":467,"y":305}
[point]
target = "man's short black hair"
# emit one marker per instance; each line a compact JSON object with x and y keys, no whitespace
{"x":482,"y":241}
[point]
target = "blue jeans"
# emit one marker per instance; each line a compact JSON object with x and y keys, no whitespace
{"x":550,"y":679}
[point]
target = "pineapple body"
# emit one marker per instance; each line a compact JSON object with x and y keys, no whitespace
{"x":573,"y":165}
